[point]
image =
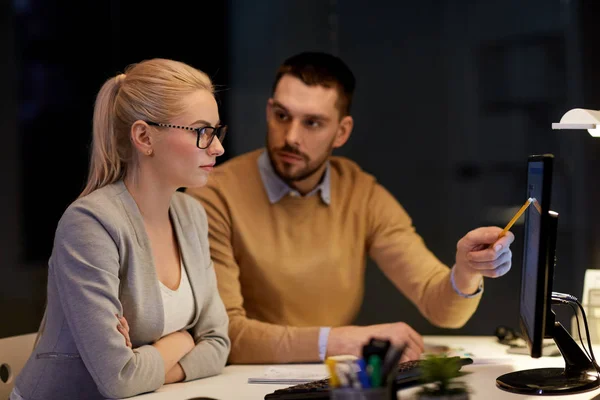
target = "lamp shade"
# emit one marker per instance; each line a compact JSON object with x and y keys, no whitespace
{"x":580,"y":118}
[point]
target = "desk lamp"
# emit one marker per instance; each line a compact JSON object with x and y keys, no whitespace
{"x":579,"y":118}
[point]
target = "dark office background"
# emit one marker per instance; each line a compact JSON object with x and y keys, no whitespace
{"x":452,"y":97}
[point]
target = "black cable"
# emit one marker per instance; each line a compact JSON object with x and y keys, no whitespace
{"x":579,"y":329}
{"x":587,"y":332}
{"x":560,"y":298}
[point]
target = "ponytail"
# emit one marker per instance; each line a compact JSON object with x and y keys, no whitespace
{"x":106,"y":164}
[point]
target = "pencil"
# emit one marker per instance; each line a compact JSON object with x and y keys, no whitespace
{"x":516,"y":217}
{"x":537,"y":206}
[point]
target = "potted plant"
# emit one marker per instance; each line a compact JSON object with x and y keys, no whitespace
{"x":439,"y":372}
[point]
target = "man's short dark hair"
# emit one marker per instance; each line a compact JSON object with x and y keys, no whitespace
{"x":316,"y":68}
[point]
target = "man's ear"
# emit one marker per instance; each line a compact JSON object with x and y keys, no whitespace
{"x":141,"y":138}
{"x":344,"y":131}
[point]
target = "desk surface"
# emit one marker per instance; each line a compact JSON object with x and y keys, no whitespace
{"x":491,"y":361}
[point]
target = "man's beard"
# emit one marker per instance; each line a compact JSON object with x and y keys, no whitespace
{"x":303,"y":173}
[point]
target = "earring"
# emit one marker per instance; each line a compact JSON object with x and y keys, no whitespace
{"x":149,"y":152}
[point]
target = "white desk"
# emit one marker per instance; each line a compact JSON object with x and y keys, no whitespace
{"x":491,"y":361}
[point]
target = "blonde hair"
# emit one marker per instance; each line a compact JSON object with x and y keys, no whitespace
{"x":149,"y":91}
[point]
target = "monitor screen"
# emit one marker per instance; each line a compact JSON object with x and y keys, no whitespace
{"x":536,"y":274}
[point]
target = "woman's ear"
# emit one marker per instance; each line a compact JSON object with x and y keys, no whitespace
{"x":344,"y":131}
{"x":141,"y":137}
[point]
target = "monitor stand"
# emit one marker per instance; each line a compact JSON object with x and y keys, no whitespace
{"x":579,"y":374}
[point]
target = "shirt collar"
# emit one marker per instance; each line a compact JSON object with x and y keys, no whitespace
{"x":276,"y":188}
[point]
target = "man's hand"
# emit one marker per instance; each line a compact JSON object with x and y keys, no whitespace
{"x":480,"y":253}
{"x":351,"y":339}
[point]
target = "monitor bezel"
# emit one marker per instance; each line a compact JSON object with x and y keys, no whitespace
{"x":545,"y":271}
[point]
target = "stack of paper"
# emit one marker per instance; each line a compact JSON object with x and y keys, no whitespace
{"x":291,"y":375}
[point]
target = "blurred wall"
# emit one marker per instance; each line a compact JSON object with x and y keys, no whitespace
{"x":451,"y":98}
{"x":58,"y":56}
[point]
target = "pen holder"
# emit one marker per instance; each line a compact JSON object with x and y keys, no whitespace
{"x":380,"y":393}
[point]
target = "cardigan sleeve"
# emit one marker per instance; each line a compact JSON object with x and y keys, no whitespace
{"x":85,"y":266}
{"x":210,"y":332}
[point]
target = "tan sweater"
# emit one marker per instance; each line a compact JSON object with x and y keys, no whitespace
{"x":286,"y":269}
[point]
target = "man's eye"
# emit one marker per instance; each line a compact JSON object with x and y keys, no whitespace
{"x":281,"y":116}
{"x":312,"y":123}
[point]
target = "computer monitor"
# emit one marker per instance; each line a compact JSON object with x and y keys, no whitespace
{"x":537,"y":319}
{"x":538,"y":256}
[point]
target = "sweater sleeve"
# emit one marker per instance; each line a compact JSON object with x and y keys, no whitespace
{"x":252,"y":341}
{"x":85,"y":265}
{"x":402,"y":256}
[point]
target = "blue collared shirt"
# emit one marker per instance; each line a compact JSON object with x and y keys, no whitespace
{"x":276,"y":188}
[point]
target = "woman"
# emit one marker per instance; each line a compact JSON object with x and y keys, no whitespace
{"x":132,"y":296}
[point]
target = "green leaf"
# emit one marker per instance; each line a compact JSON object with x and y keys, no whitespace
{"x":440,"y":370}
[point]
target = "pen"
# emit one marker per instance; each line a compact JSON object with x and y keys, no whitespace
{"x":354,"y":375}
{"x":333,"y":378}
{"x":348,"y":369}
{"x":343,"y":373}
{"x":361,"y":373}
{"x":375,"y":370}
{"x":515,"y":218}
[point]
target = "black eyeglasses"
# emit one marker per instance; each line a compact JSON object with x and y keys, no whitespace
{"x":205,"y":135}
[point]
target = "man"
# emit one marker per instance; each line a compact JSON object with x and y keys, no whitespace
{"x":291,"y":227}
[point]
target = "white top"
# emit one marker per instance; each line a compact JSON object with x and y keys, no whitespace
{"x":178,"y":304}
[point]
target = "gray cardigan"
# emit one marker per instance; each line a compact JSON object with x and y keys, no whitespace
{"x":102,"y":265}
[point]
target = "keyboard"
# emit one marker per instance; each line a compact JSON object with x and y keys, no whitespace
{"x":408,"y":375}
